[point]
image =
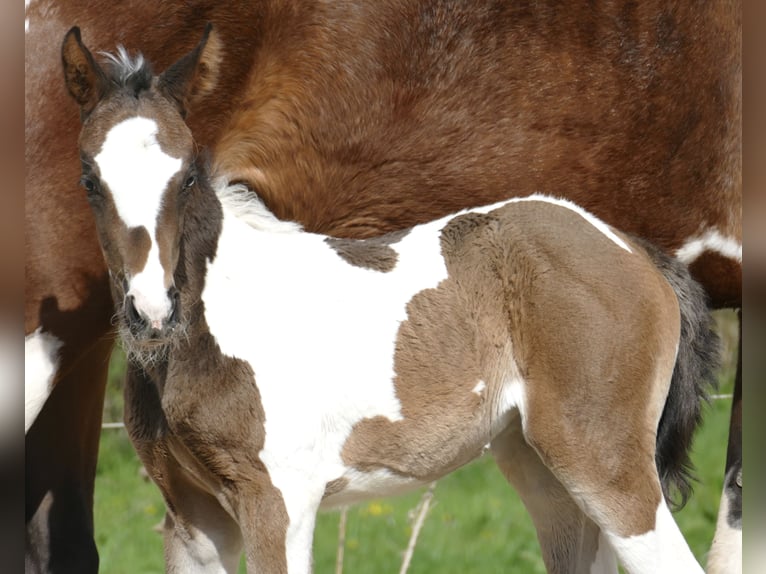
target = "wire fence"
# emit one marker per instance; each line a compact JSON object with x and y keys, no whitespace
{"x":118,"y":425}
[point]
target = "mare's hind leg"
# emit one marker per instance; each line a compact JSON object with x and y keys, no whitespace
{"x":570,"y":542}
{"x":725,"y":555}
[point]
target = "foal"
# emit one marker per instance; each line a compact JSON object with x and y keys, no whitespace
{"x":274,"y":371}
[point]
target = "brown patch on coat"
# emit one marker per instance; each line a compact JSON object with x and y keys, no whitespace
{"x":586,"y":326}
{"x":455,"y":336}
{"x":139,"y":244}
{"x":375,"y":253}
{"x":213,"y":406}
{"x":538,"y":285}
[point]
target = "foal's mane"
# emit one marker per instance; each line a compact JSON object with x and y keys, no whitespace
{"x":247,"y":206}
{"x":133,"y":73}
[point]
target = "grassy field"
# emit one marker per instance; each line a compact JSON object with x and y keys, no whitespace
{"x":476,"y":522}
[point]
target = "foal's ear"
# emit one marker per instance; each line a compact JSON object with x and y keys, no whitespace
{"x":84,"y":78}
{"x":195,"y":75}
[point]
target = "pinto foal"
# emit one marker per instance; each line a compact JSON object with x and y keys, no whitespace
{"x":274,"y":371}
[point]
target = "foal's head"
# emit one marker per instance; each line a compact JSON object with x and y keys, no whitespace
{"x":138,"y":168}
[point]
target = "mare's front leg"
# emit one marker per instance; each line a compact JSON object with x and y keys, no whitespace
{"x":60,"y":466}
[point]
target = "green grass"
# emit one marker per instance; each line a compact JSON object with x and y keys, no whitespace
{"x":476,"y":522}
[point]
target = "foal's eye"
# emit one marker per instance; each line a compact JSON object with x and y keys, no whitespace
{"x":190,"y":181}
{"x":91,"y":187}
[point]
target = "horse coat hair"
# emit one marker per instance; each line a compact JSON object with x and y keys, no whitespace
{"x":274,"y":371}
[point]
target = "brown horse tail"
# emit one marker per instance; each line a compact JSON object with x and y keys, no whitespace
{"x":693,"y":376}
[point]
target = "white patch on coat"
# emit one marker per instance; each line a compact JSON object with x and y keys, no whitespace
{"x":137,"y":171}
{"x":26,"y":20}
{"x":149,"y":291}
{"x":479,"y":388}
{"x":344,"y":319}
{"x":659,"y":551}
{"x":41,"y":357}
{"x":726,"y":551}
{"x":513,"y":396}
{"x":712,"y":240}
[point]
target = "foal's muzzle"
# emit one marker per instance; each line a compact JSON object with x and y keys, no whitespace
{"x":144,"y":328}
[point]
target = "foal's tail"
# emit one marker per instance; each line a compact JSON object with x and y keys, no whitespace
{"x":694,"y":373}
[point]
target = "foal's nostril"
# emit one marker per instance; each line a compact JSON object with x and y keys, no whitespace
{"x":175,"y":312}
{"x":131,"y":313}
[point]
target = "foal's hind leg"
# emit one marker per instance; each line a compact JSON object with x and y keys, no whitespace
{"x":570,"y":542}
{"x":609,"y":470}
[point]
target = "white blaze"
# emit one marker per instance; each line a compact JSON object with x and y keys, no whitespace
{"x":137,"y":171}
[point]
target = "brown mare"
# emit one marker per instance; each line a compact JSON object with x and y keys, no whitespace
{"x":359,"y":118}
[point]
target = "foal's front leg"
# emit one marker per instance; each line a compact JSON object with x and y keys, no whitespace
{"x":277,"y":517}
{"x":200,"y":537}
